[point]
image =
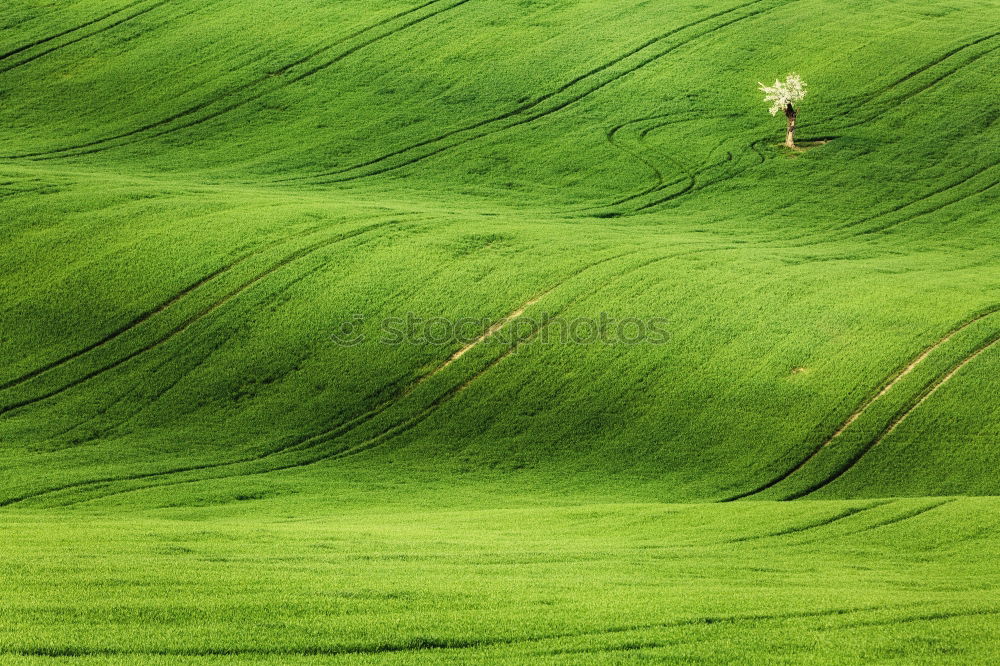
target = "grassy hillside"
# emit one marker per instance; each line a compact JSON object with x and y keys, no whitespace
{"x":197,"y":197}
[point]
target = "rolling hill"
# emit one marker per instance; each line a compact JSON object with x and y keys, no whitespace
{"x":216,"y":213}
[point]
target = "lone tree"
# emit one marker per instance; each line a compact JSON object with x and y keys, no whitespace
{"x":783,"y":96}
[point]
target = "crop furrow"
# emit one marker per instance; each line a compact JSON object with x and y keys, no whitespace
{"x":887,"y":386}
{"x":345,"y":174}
{"x":841,"y":515}
{"x":140,"y":319}
{"x":901,"y":416}
{"x":76,"y":40}
{"x":45,"y":40}
{"x":162,"y":128}
{"x":180,"y":328}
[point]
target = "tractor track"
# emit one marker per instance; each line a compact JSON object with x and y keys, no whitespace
{"x":98,"y":145}
{"x":410,"y":387}
{"x":840,"y":515}
{"x":692,"y":185}
{"x":322,"y":438}
{"x":82,"y":26}
{"x":894,"y":103}
{"x":661,"y":179}
{"x":662,"y":184}
{"x":126,"y":328}
{"x":899,"y":519}
{"x":162,"y":307}
{"x":901,"y":416}
{"x":152,"y":399}
{"x":344,"y":174}
{"x":452,"y":646}
{"x":192,"y":320}
{"x":886,"y":386}
{"x":912,"y":513}
{"x":924,"y":617}
{"x":77,"y":40}
{"x":935,"y":209}
{"x":658,"y":174}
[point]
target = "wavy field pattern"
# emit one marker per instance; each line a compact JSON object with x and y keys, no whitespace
{"x":500,"y":331}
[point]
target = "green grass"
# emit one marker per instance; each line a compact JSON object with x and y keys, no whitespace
{"x":856,"y":581}
{"x":195,"y":196}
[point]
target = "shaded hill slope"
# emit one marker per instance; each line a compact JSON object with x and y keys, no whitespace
{"x":197,"y":196}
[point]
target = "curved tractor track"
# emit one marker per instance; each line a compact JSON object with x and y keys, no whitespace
{"x":339,"y":430}
{"x":179,"y":328}
{"x":894,"y":520}
{"x":851,"y":108}
{"x":885,"y":388}
{"x":640,"y":150}
{"x":901,"y":416}
{"x":315,"y":442}
{"x":284,"y":76}
{"x":150,"y":313}
{"x":557,"y":100}
{"x":893,"y":104}
{"x":69,"y":31}
{"x":75,"y":40}
{"x":142,"y":12}
{"x":205,"y":354}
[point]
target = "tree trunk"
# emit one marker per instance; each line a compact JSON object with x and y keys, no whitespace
{"x":790,"y":135}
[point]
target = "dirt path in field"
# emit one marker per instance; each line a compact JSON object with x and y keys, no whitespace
{"x":489,"y":333}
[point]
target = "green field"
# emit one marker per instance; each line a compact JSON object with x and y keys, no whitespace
{"x":211,"y":452}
